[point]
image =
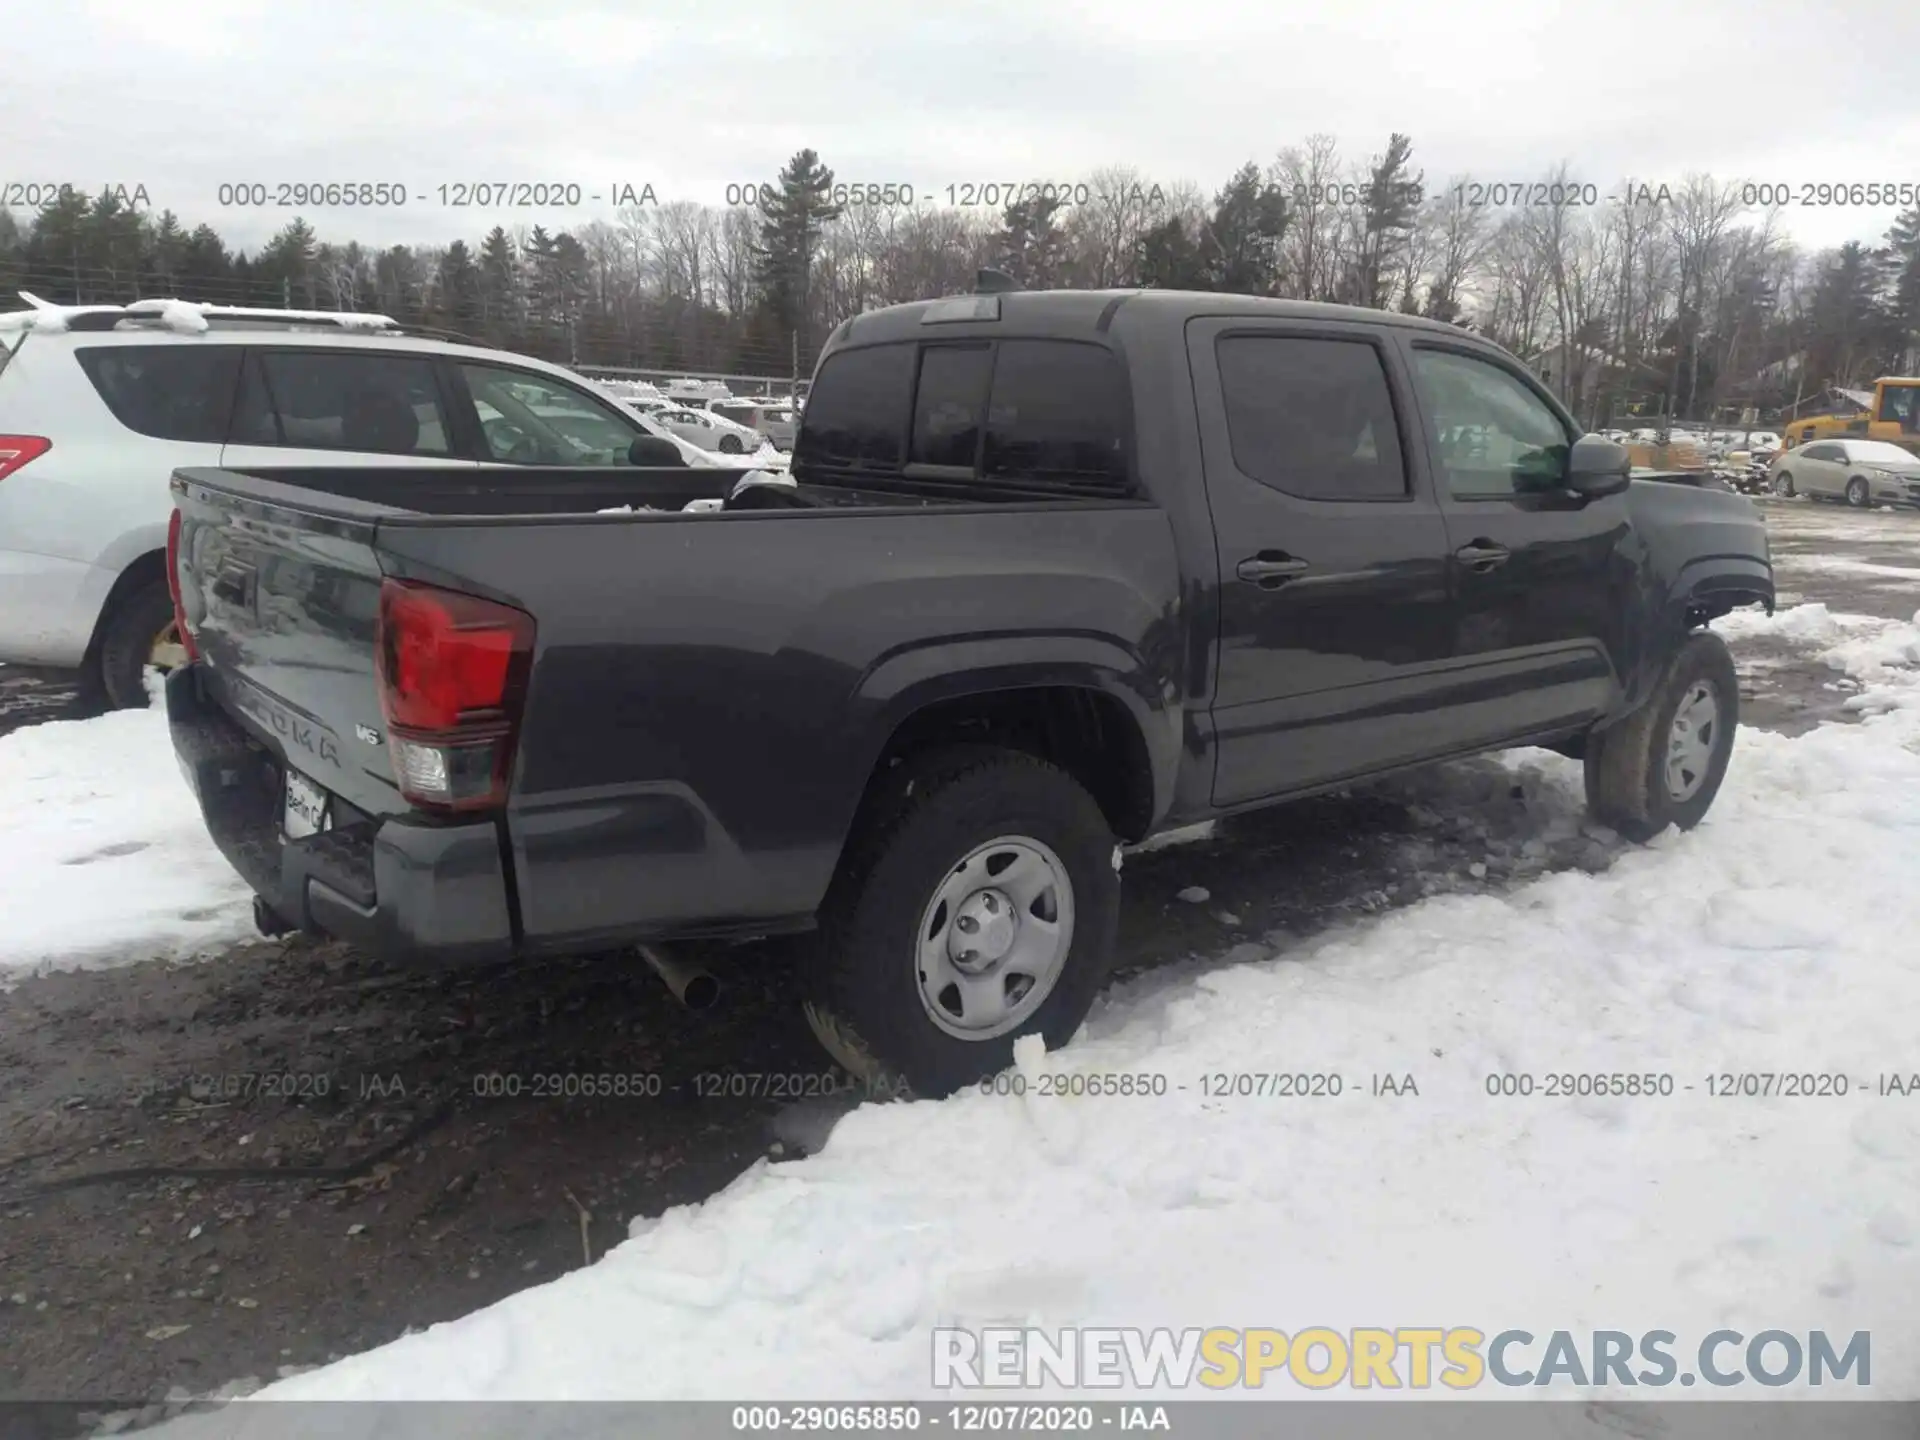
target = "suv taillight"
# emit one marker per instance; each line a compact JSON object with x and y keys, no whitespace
{"x":173,"y":588}
{"x":453,"y":678}
{"x":17,"y":450}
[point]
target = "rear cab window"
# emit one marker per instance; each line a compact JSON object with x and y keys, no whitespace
{"x":1040,"y":414}
{"x":169,"y":392}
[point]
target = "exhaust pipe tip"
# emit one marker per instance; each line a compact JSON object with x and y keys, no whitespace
{"x":694,"y":986}
{"x":701,"y":992}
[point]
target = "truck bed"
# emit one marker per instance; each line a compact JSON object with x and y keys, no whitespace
{"x":708,"y":691}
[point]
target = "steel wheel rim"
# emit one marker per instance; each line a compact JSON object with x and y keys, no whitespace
{"x":994,"y":938}
{"x":1691,"y":740}
{"x":168,"y":651}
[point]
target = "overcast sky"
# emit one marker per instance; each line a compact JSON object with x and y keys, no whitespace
{"x":689,"y":97}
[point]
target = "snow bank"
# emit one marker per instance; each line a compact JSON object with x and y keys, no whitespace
{"x":103,"y":856}
{"x":1777,"y":937}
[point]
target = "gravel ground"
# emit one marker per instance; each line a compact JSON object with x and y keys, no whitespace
{"x":406,"y":1191}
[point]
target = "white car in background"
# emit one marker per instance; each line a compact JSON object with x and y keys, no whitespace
{"x":1861,"y":472}
{"x":649,"y":420}
{"x":99,"y":404}
{"x":718,"y":434}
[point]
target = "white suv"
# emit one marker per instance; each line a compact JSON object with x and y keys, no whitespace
{"x":100,"y":404}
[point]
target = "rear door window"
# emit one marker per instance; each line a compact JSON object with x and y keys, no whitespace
{"x":857,"y":415}
{"x":1057,"y":413}
{"x":343,"y":400}
{"x":170,"y":392}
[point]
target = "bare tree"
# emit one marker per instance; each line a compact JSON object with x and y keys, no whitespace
{"x":1309,"y":177}
{"x":1697,"y":222}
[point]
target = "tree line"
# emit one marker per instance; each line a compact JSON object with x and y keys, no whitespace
{"x":1685,"y":298}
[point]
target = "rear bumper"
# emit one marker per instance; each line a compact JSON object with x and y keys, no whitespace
{"x":428,"y":894}
{"x":48,"y":607}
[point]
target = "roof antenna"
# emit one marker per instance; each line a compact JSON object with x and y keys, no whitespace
{"x":987,"y":281}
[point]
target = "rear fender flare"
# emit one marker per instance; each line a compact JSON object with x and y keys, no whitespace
{"x":909,"y":680}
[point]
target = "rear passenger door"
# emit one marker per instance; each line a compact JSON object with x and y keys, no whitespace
{"x":1333,"y":582}
{"x":1816,"y":470}
{"x":1540,"y":590}
{"x":341,"y":405}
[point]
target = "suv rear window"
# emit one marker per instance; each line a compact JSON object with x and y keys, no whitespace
{"x":171,"y":392}
{"x":1047,"y":413}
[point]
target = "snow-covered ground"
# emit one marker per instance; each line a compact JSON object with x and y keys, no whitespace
{"x":1778,"y":937}
{"x":103,"y":855}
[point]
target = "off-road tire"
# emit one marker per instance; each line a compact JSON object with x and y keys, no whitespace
{"x":1626,"y":764}
{"x":863,"y":1001}
{"x":126,"y":642}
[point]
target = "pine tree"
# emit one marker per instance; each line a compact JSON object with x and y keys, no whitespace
{"x":1249,"y":220}
{"x":1903,"y":302}
{"x":500,"y":286}
{"x":1031,"y":245}
{"x":792,"y":214}
{"x":56,"y":254}
{"x":1387,"y":216}
{"x":1846,"y":316}
{"x":166,"y":250}
{"x":12,"y":259}
{"x":115,"y":238}
{"x":461,"y":307}
{"x":205,"y":272}
{"x":288,"y":261}
{"x":1171,"y":259}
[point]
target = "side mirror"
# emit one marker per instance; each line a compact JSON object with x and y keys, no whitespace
{"x":1597,"y":466}
{"x":653,"y":452}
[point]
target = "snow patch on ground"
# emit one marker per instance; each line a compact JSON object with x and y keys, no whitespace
{"x":1776,"y":937}
{"x":103,"y":856}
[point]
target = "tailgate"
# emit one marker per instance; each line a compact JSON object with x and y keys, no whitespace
{"x":282,"y":603}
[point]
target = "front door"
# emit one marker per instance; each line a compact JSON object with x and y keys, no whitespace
{"x":1540,"y":576}
{"x":1333,"y":601}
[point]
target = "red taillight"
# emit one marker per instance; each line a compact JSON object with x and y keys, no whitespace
{"x":453,"y":674}
{"x":173,"y":588}
{"x":17,"y":450}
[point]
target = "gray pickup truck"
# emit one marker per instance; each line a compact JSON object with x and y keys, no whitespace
{"x":1057,"y":571}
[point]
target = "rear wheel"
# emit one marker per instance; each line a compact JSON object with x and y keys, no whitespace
{"x":730,"y":445}
{"x":1663,"y":765}
{"x":978,"y":904}
{"x":1858,"y":495}
{"x":139,"y":632}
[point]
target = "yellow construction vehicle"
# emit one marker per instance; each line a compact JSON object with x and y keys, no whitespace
{"x":1894,"y":415}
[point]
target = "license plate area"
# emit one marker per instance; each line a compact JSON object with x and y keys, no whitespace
{"x":307,"y":811}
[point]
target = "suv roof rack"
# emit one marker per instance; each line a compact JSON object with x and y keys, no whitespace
{"x":178,"y":314}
